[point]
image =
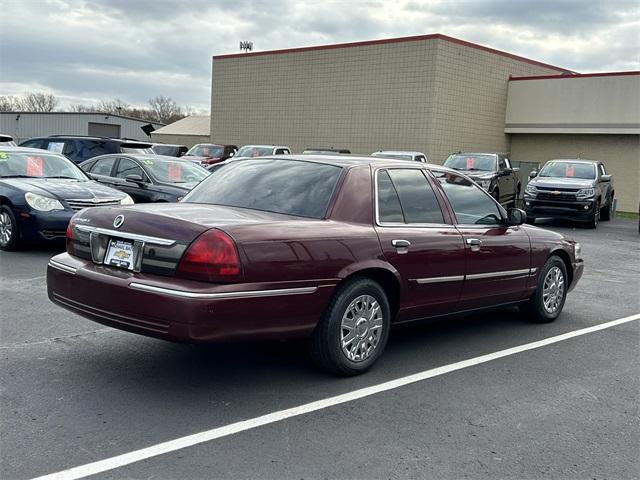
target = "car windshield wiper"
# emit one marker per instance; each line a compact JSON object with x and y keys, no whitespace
{"x":62,"y":176}
{"x":15,"y":176}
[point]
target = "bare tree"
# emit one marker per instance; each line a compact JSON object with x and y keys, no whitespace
{"x":165,"y":109}
{"x":29,"y":102}
{"x":39,"y":102}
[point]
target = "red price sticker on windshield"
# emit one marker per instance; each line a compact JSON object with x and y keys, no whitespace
{"x":470,"y":162}
{"x":34,"y":166}
{"x":175,"y":172}
{"x":569,"y":171}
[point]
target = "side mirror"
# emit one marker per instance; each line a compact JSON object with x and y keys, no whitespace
{"x":507,"y":171}
{"x":515,"y":216}
{"x":134,"y":178}
{"x":533,"y":174}
{"x":231,"y":154}
{"x":605,"y":178}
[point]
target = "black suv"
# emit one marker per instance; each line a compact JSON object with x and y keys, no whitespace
{"x":492,"y":171}
{"x":579,"y":190}
{"x":78,"y":148}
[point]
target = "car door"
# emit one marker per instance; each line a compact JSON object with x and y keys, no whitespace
{"x":498,"y":256}
{"x":141,"y":193}
{"x":418,"y":239}
{"x":603,"y":187}
{"x":102,"y":170}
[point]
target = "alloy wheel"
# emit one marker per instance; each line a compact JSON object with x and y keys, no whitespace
{"x":553,"y":290}
{"x":361,"y":328}
{"x":6,"y":228}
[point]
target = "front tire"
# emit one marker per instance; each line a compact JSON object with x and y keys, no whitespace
{"x":593,"y":222}
{"x":548,"y":300}
{"x":9,"y":234}
{"x":353,"y":330}
{"x":606,"y":212}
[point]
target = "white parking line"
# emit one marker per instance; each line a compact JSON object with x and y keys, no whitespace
{"x":206,"y":436}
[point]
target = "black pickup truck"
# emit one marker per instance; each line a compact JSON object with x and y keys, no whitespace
{"x":578,"y":190}
{"x":492,"y":171}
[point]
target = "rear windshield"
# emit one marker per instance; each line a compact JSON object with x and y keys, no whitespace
{"x":281,"y":186}
{"x":206,"y":151}
{"x":174,"y":171}
{"x":568,"y":170}
{"x":471,"y":162}
{"x":249,"y":151}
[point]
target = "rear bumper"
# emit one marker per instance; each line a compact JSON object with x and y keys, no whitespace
{"x":182,"y":310}
{"x":578,"y":210}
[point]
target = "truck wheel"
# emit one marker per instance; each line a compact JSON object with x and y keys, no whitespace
{"x":593,"y":222}
{"x":607,"y":210}
{"x":353,"y":330}
{"x":546,"y":303}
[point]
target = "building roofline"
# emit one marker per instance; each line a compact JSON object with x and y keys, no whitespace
{"x":578,"y":75}
{"x":393,"y":40}
{"x":88,"y":113}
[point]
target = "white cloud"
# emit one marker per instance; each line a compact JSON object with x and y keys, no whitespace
{"x":85,"y":51}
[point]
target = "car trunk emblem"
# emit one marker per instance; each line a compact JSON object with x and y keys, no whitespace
{"x":118,"y":221}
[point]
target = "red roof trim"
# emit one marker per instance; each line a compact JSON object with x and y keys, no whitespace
{"x":579,"y":75}
{"x":393,"y":40}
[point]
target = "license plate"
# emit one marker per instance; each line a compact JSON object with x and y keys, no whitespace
{"x":120,"y":254}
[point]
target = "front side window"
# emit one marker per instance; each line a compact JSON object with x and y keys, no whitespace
{"x":470,"y":203}
{"x":128,"y":167}
{"x":502,"y":164}
{"x":289,"y":187}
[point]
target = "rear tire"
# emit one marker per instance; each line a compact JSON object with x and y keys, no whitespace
{"x":546,"y":304}
{"x":9,"y":233}
{"x":353,"y":330}
{"x":606,"y":212}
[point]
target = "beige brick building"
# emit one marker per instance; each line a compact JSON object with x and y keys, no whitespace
{"x":429,"y":93}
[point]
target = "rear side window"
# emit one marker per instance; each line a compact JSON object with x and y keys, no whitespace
{"x":470,"y":203}
{"x":417,"y":199}
{"x":103,"y":166}
{"x":280,"y":186}
{"x":389,"y":210}
{"x":37,"y":143}
{"x":85,"y":149}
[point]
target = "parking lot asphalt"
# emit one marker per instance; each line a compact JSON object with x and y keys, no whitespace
{"x":74,"y":392}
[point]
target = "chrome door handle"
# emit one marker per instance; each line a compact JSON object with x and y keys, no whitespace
{"x":474,"y":242}
{"x":400,"y":243}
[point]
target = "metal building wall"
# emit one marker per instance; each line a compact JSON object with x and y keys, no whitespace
{"x":27,"y":125}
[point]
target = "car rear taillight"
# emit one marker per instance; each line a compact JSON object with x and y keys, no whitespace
{"x":212,"y":257}
{"x":69,"y":239}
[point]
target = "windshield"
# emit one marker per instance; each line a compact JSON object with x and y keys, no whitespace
{"x":281,"y":186}
{"x":568,"y":170}
{"x":249,"y":151}
{"x":472,"y":162}
{"x":206,"y":151}
{"x":38,"y":165}
{"x":175,"y":171}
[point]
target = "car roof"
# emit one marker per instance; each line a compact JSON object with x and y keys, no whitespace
{"x":27,"y":150}
{"x":354,"y":161}
{"x":479,"y":153}
{"x":573,"y":160}
{"x":399,"y":152}
{"x":137,"y":156}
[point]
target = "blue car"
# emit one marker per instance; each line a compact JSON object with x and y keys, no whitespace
{"x":39,"y":193}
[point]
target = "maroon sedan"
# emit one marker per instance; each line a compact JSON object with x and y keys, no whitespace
{"x":332,"y":248}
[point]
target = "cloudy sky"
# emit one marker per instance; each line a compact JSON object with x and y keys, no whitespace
{"x":85,"y":51}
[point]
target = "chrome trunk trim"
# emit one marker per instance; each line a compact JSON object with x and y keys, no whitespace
{"x":130,"y":236}
{"x":62,"y":266}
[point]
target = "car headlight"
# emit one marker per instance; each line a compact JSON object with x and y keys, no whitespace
{"x":577,"y":251}
{"x":42,"y":203}
{"x":127,"y":200}
{"x":586,"y":193}
{"x":531,"y":190}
